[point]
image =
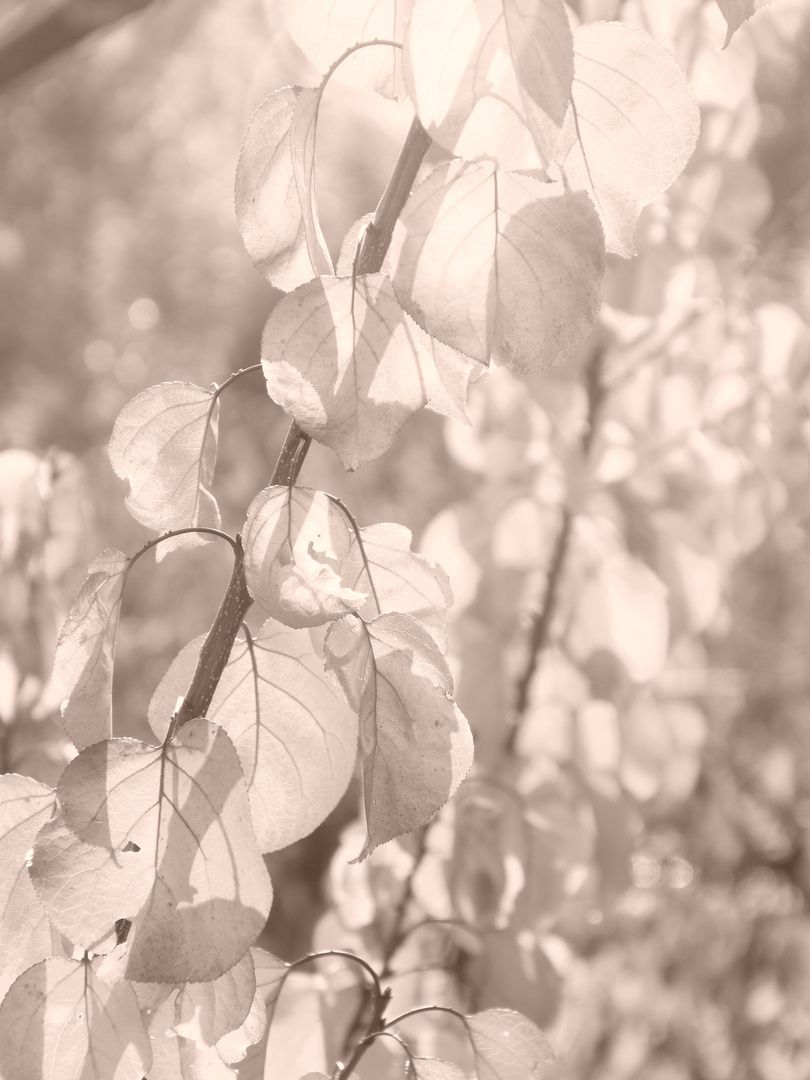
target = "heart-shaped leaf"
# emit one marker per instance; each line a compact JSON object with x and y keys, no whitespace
{"x":162,"y":837}
{"x":416,"y":744}
{"x":83,"y":664}
{"x":295,"y":736}
{"x":61,"y":1021}
{"x":165,"y":443}
{"x":342,"y":358}
{"x":484,"y":258}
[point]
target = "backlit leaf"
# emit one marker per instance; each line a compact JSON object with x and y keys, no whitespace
{"x":737,"y":11}
{"x":271,"y":974}
{"x":178,"y":1058}
{"x":83,"y":664}
{"x":508,"y":1046}
{"x":343,"y":359}
{"x":268,"y":209}
{"x":433,"y":1069}
{"x":295,"y":736}
{"x":296,"y":541}
{"x":633,"y":127}
{"x":26,"y":934}
{"x":491,"y":78}
{"x":165,"y":443}
{"x":302,"y":145}
{"x":324,"y":29}
{"x":415,"y":742}
{"x":61,"y":1021}
{"x":403,"y":580}
{"x":160,"y":836}
{"x":206,"y":1011}
{"x":486,"y":258}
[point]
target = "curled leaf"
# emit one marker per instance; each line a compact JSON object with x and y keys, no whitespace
{"x":416,"y":744}
{"x":165,"y":443}
{"x":83,"y":664}
{"x":296,"y":541}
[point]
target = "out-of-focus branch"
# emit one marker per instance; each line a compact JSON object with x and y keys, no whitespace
{"x":34,"y":33}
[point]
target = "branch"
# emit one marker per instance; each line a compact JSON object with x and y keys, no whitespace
{"x":37,"y":32}
{"x":373,"y":249}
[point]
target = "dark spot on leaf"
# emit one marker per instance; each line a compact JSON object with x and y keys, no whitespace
{"x":130,"y":845}
{"x":122,"y":927}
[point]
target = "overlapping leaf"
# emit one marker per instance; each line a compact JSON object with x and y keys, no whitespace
{"x":296,"y":541}
{"x":737,"y":11}
{"x":508,"y":1046}
{"x":270,"y":976}
{"x":83,"y":664}
{"x":161,"y":836}
{"x":61,"y":1021}
{"x":178,"y":1058}
{"x":397,"y":579}
{"x":295,"y":736}
{"x":491,"y":78}
{"x":500,"y":264}
{"x":416,"y":744}
{"x":632,"y":129}
{"x":207,"y":1011}
{"x":324,"y":29}
{"x":26,"y":934}
{"x":342,"y":358}
{"x":165,"y":443}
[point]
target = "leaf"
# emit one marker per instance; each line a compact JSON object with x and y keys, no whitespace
{"x":165,"y":443}
{"x":83,"y":664}
{"x":507,"y":1046}
{"x":341,"y":357}
{"x":295,"y":737}
{"x":207,"y":1011}
{"x":737,"y":11}
{"x":26,"y":935}
{"x":402,"y":580}
{"x":271,"y":974}
{"x":59,"y":1019}
{"x":302,"y":145}
{"x":491,"y":78}
{"x":623,"y":608}
{"x":268,"y":209}
{"x":160,"y":836}
{"x":296,"y":541}
{"x":324,"y":29}
{"x":484,"y":258}
{"x":416,"y":744}
{"x":179,"y":1058}
{"x":434,"y":1069}
{"x":632,"y":129}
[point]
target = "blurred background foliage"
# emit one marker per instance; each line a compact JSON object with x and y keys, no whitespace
{"x":121,"y":266}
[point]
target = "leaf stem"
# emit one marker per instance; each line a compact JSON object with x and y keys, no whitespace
{"x":217,"y":646}
{"x":179,"y":532}
{"x":376,"y":241}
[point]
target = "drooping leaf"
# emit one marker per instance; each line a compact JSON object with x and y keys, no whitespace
{"x":26,"y":934}
{"x":271,"y":974}
{"x":416,"y":744}
{"x":268,"y":209}
{"x":296,"y":541}
{"x":162,"y":837}
{"x":343,"y":359}
{"x":295,"y":736}
{"x":491,"y":78}
{"x":632,"y":128}
{"x":324,"y":29}
{"x":61,"y":1021}
{"x":484,"y":259}
{"x":206,"y":1011}
{"x":508,"y":1046}
{"x":302,"y":145}
{"x":737,"y":11}
{"x":83,"y":664}
{"x":165,"y":443}
{"x":402,"y":580}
